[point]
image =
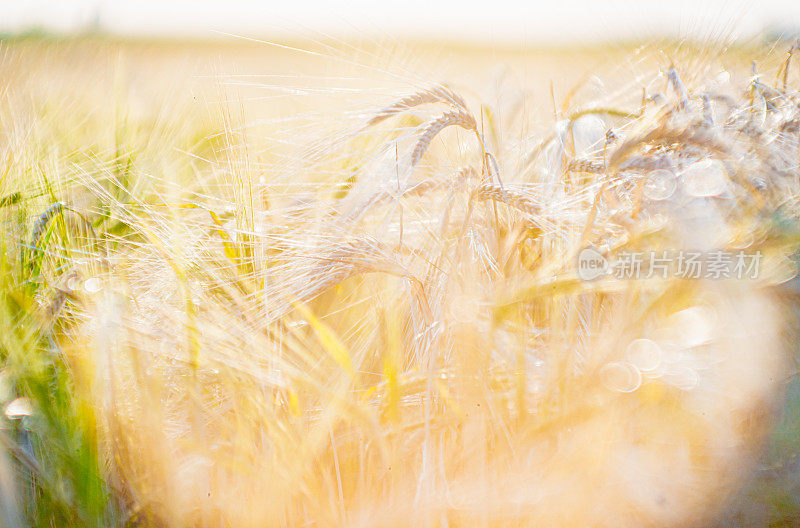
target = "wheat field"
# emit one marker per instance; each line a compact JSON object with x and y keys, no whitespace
{"x":327,"y":283}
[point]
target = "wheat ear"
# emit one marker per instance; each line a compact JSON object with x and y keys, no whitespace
{"x":452,"y":118}
{"x":582,"y":165}
{"x":497,"y":193}
{"x":437,"y":94}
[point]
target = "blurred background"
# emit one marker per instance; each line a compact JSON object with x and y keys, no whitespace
{"x":501,"y":21}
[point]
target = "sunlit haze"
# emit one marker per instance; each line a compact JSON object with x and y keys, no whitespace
{"x":498,"y":21}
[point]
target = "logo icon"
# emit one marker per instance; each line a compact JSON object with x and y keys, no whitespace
{"x":591,"y":264}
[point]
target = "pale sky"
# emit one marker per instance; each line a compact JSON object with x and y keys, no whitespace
{"x":486,"y":21}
